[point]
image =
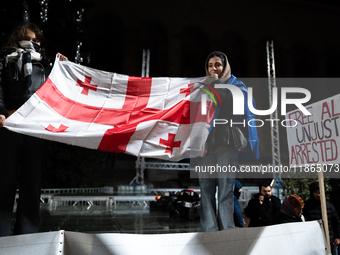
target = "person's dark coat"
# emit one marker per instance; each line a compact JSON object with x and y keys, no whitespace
{"x":287,"y":212}
{"x":284,"y":218}
{"x":220,"y":136}
{"x":238,"y":218}
{"x":335,"y":194}
{"x":14,"y":91}
{"x":263,"y":214}
{"x":312,"y":211}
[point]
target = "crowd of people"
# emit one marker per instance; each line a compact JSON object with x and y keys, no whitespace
{"x":265,"y":209}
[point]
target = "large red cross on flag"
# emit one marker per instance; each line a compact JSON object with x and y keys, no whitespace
{"x":147,"y":117}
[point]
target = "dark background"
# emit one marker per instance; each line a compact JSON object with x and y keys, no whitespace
{"x":180,"y":34}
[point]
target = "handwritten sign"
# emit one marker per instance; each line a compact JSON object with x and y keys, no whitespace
{"x":314,"y":139}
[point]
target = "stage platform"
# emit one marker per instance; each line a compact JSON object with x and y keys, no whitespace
{"x":101,"y":210}
{"x":133,"y":218}
{"x":106,"y":224}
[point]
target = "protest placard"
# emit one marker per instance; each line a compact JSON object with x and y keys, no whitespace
{"x":313,"y":142}
{"x":314,"y":139}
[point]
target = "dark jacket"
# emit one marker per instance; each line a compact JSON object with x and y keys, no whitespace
{"x":220,"y":134}
{"x":287,"y":212}
{"x":284,"y":218}
{"x":265,"y":214}
{"x":312,"y":211}
{"x":238,"y":218}
{"x":335,"y":194}
{"x":14,"y":91}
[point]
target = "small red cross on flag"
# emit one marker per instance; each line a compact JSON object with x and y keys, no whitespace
{"x":187,"y":90}
{"x":170,"y":144}
{"x":86,"y":85}
{"x":52,"y":129}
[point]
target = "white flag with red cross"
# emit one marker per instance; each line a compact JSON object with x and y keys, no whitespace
{"x":141,"y":116}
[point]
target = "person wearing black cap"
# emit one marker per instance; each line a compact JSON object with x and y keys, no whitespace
{"x":312,"y":211}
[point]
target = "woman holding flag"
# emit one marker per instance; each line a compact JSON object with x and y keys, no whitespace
{"x":220,"y":152}
{"x":23,"y":68}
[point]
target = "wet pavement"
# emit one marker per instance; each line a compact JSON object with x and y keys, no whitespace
{"x":124,"y":218}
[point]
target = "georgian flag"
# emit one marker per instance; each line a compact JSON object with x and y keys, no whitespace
{"x":146,"y":117}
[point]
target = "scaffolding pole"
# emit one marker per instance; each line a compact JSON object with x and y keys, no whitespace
{"x":275,"y":138}
{"x":140,"y":162}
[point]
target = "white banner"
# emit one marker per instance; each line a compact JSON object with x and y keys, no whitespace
{"x":303,"y":238}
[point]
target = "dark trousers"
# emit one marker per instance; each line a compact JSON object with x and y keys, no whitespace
{"x":21,"y":161}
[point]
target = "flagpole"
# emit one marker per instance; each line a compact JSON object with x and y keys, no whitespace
{"x":324,"y":208}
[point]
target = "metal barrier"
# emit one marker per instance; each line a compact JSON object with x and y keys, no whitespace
{"x":48,"y":196}
{"x":90,"y":196}
{"x":89,"y":201}
{"x":79,"y":201}
{"x":162,"y":191}
{"x":105,"y":190}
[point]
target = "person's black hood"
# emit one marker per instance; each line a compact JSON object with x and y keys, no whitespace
{"x":314,"y":186}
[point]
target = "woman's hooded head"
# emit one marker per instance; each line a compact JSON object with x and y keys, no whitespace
{"x":226,"y":72}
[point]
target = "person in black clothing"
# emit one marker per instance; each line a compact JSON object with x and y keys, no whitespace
{"x":23,"y":70}
{"x":291,"y":209}
{"x":312,"y":211}
{"x":238,"y":218}
{"x":264,"y":208}
{"x":335,"y":194}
